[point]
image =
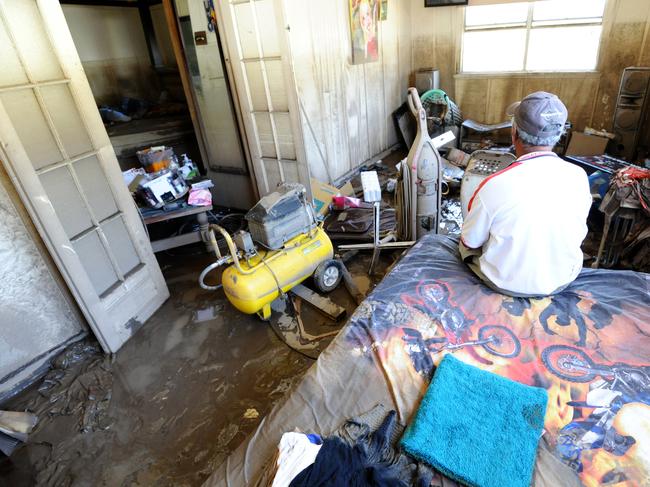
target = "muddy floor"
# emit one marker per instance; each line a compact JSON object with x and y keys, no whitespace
{"x":182,"y":394}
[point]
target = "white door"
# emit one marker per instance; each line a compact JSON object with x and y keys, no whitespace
{"x":226,"y":162}
{"x":257,"y":49}
{"x":55,"y":148}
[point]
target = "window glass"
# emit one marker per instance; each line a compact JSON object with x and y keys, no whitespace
{"x":563,"y":48}
{"x":546,"y":35}
{"x":483,"y":51}
{"x":568,"y":9}
{"x":496,"y":14}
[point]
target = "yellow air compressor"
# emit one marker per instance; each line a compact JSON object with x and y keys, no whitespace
{"x":283,"y":247}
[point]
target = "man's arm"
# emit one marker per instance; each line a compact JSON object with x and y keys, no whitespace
{"x":476,"y":227}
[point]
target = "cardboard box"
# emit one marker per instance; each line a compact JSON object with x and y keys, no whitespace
{"x":582,"y":144}
{"x":322,"y":194}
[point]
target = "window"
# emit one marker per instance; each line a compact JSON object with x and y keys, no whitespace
{"x":550,"y":35}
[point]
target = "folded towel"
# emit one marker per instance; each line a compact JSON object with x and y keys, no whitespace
{"x":477,"y":427}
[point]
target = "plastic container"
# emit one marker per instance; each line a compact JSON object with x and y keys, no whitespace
{"x":155,"y":159}
{"x":163,"y":188}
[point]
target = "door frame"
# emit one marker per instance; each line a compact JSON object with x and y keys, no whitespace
{"x":226,"y":32}
{"x":171,"y":18}
{"x":40,"y":209}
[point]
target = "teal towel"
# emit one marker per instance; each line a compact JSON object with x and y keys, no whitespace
{"x":477,"y":427}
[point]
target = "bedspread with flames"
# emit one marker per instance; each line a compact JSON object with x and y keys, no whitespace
{"x":589,"y":347}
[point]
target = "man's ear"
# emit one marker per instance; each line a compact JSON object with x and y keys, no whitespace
{"x":513,"y":135}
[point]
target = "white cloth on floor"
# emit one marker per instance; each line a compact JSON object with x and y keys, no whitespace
{"x":295,"y":453}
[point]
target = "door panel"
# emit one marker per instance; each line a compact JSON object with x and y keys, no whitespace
{"x":226,"y":161}
{"x":57,"y":151}
{"x":254,"y":36}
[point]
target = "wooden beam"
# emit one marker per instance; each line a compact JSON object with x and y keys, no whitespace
{"x":176,"y":241}
{"x":101,"y":3}
{"x":322,"y":303}
{"x":179,"y":55}
{"x":109,"y":3}
{"x":150,"y":35}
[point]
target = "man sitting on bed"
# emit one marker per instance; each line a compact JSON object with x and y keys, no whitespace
{"x":525,"y":224}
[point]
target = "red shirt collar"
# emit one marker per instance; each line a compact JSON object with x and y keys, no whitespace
{"x":533,"y":155}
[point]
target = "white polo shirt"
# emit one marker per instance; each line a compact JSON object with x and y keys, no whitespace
{"x":530,"y":219}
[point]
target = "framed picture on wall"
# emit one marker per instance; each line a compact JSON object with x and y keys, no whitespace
{"x":364,"y":32}
{"x":444,"y":3}
{"x":383,"y":9}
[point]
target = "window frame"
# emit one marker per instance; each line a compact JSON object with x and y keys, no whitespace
{"x":528,"y":25}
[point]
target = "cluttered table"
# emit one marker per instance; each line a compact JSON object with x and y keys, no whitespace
{"x":166,"y":189}
{"x":150,"y":215}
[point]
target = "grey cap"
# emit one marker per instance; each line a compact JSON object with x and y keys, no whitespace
{"x":540,"y":114}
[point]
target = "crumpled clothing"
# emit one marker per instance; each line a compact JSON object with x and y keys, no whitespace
{"x":363,"y":455}
{"x":200,"y":197}
{"x":296,"y":452}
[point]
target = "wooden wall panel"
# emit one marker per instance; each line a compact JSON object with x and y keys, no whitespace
{"x":579,"y":94}
{"x":346,"y":108}
{"x":533,"y":84}
{"x":423,"y":26}
{"x":502,"y":92}
{"x":434,"y":36}
{"x":622,"y":46}
{"x":471,"y":97}
{"x":486,"y":98}
{"x":392,"y":88}
{"x":373,"y":97}
{"x":644,"y":54}
{"x":405,"y":46}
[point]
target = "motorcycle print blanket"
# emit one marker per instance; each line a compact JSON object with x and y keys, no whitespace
{"x":588,"y":346}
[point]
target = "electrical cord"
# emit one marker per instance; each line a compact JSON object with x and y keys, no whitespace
{"x":275,"y":278}
{"x":219,"y":220}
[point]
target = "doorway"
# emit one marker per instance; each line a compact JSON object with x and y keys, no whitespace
{"x":211,"y":90}
{"x":127,"y":52}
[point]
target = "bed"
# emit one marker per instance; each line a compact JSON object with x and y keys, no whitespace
{"x":589,"y":347}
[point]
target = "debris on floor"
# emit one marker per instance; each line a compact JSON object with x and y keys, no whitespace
{"x":251,"y":413}
{"x":15,"y":427}
{"x":357,"y":223}
{"x":451,"y":216}
{"x":147,"y":415}
{"x":307,"y":329}
{"x":322,"y":194}
{"x":143,"y":416}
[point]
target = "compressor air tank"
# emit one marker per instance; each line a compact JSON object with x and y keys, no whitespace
{"x":252,"y":289}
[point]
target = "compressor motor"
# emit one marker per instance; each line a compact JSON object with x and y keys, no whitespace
{"x":285,"y":244}
{"x":280,"y":216}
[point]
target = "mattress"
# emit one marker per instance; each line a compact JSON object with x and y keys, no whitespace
{"x":589,"y":347}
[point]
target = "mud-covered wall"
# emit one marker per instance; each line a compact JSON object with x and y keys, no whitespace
{"x":37,"y":314}
{"x":113,"y":51}
{"x":347,"y":108}
{"x":626,"y":43}
{"x":590,"y":97}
